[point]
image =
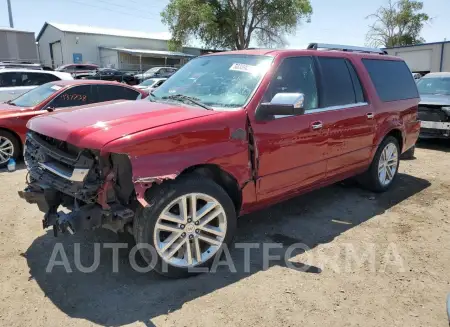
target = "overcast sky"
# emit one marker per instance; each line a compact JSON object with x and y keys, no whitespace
{"x":340,"y":21}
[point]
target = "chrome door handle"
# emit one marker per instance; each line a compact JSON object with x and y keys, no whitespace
{"x":370,"y":115}
{"x":317,"y":125}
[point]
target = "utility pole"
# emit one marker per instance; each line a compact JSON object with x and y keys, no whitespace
{"x":11,"y":23}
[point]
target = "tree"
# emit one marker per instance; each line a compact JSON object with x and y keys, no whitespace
{"x":232,"y":24}
{"x":398,"y":24}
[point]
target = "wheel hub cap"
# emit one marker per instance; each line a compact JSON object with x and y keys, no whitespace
{"x":190,"y":230}
{"x":387,"y":167}
{"x":6,"y":149}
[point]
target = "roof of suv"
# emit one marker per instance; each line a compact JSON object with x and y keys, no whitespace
{"x":293,"y":52}
{"x":439,"y":74}
{"x":61,"y":75}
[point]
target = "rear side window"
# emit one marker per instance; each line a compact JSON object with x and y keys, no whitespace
{"x":392,"y":79}
{"x":32,"y":79}
{"x":337,"y":82}
{"x":112,"y":92}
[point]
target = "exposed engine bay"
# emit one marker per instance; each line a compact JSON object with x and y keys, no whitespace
{"x":97,"y":190}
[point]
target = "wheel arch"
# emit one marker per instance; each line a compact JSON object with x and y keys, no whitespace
{"x":221,"y":177}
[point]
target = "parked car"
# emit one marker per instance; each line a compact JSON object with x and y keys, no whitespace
{"x":151,"y":84}
{"x":109,"y":74}
{"x":20,"y":64}
{"x":15,"y":114}
{"x":434,"y":107}
{"x":17,"y":81}
{"x":228,"y":134}
{"x":156,"y":72}
{"x":79,"y":70}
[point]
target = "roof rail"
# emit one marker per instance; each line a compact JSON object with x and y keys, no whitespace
{"x":339,"y":47}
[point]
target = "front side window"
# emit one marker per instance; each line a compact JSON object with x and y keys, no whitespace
{"x":295,"y":75}
{"x":221,"y":81}
{"x":75,"y":96}
{"x":36,"y":95}
{"x":434,"y":85}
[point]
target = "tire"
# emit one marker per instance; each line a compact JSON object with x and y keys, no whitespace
{"x":409,"y":154}
{"x":370,"y":179}
{"x":161,"y":198}
{"x":14,"y":153}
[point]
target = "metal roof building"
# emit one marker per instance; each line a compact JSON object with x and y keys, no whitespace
{"x":426,"y":57}
{"x":60,"y":44}
{"x":17,"y":45}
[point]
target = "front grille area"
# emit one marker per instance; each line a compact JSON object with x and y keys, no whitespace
{"x":64,"y":167}
{"x":432,"y":113}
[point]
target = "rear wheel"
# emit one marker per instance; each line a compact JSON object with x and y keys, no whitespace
{"x":187,"y":222}
{"x":383,"y":170}
{"x":9,"y":147}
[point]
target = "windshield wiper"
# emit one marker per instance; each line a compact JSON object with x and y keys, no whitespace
{"x":10,"y":103}
{"x":181,"y":97}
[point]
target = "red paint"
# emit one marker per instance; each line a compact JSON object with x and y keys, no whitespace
{"x":15,"y":119}
{"x":292,"y":158}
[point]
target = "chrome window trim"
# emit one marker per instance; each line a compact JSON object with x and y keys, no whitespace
{"x":78,"y":174}
{"x":331,"y":108}
{"x":340,"y":107}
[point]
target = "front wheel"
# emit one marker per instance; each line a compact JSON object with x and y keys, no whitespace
{"x":9,"y":148}
{"x":383,"y":170}
{"x":187,"y":222}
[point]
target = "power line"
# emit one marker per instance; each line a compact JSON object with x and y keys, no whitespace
{"x":120,"y":6}
{"x":112,"y":10}
{"x":133,"y":1}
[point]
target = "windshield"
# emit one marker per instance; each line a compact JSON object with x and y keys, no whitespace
{"x":36,"y":95}
{"x":148,"y":82}
{"x":152,"y":70}
{"x":434,"y":85}
{"x":221,"y":81}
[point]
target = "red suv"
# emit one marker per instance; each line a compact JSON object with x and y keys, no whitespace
{"x":228,"y":134}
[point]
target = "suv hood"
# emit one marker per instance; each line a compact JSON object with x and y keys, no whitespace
{"x":94,"y":126}
{"x":435,"y":99}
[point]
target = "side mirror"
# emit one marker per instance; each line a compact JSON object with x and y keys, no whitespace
{"x":282,"y":104}
{"x":50,"y":109}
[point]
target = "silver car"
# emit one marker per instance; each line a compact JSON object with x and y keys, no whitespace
{"x":434,"y":107}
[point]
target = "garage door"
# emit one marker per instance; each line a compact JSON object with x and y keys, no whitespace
{"x":57,"y":54}
{"x":417,"y":60}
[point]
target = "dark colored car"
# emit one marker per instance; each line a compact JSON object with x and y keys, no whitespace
{"x":109,"y":74}
{"x":434,"y":107}
{"x":156,"y":72}
{"x":15,"y":114}
{"x":228,"y":134}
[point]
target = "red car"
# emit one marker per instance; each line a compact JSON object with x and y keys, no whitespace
{"x":15,"y":114}
{"x":228,"y":134}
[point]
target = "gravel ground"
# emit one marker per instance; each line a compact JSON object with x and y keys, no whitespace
{"x":402,"y":239}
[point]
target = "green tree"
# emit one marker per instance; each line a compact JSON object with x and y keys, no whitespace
{"x":397,"y":24}
{"x":233,"y":24}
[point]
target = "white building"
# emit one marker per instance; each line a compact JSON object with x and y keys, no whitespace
{"x":60,"y":44}
{"x":426,"y":57}
{"x":17,"y":45}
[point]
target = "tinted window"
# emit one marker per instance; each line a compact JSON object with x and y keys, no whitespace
{"x":392,"y":79}
{"x":75,"y":96}
{"x":336,"y":82}
{"x":112,"y":92}
{"x":359,"y":94}
{"x":10,"y":80}
{"x":32,"y":79}
{"x":295,"y":75}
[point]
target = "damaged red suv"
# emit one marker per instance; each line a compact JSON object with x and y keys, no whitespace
{"x":228,"y":134}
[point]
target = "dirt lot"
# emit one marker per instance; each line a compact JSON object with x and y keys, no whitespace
{"x":404,"y":283}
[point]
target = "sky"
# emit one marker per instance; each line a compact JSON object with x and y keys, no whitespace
{"x":340,"y":21}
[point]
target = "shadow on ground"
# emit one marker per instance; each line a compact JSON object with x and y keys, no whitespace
{"x":114,"y":299}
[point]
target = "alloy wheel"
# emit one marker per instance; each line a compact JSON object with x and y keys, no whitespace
{"x":6,"y":149}
{"x":387,"y":166}
{"x":190,"y":230}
